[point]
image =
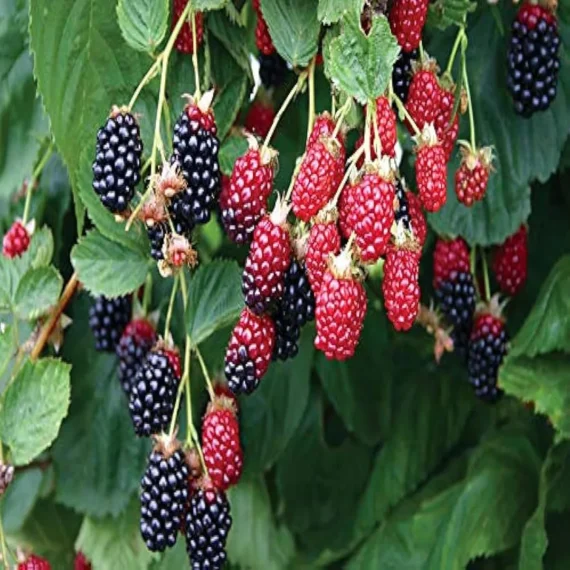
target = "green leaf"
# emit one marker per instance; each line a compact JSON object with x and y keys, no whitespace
{"x":257,"y":541}
{"x":20,"y":499}
{"x":232,"y":148}
{"x":232,"y":36}
{"x":98,"y":459}
{"x":445,"y":13}
{"x":294,"y":29}
{"x":40,"y":251}
{"x":33,"y":407}
{"x":7,"y":346}
{"x":331,"y":11}
{"x":205,"y":5}
{"x":518,"y":143}
{"x":227,"y":104}
{"x":37,"y":292}
{"x":214,"y":300}
{"x":361,"y":64}
{"x":174,"y":558}
{"x":143,"y":23}
{"x":112,"y":543}
{"x":108,"y":268}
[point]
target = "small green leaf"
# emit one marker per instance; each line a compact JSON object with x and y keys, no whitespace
{"x":214,"y":299}
{"x":232,"y":36}
{"x":40,"y":251}
{"x":294,"y":29}
{"x":108,"y":268}
{"x":143,"y":23}
{"x":37,"y":292}
{"x":111,"y":543}
{"x":33,"y":408}
{"x":331,"y":11}
{"x":232,"y":148}
{"x":361,"y":64}
{"x":445,"y":13}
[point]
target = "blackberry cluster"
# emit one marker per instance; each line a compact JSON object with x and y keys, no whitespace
{"x":456,"y":299}
{"x":195,"y":149}
{"x":156,"y":235}
{"x":108,"y":319}
{"x":272,"y":70}
{"x":164,"y":496}
{"x":532,"y":60}
{"x":117,"y":166}
{"x":403,"y":211}
{"x":153,"y":393}
{"x":487,"y":348}
{"x":296,"y":307}
{"x":402,"y":73}
{"x":208,"y":523}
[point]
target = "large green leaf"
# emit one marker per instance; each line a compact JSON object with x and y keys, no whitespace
{"x":232,"y":37}
{"x":108,"y":268}
{"x":331,"y":11}
{"x":361,"y":64}
{"x":37,"y":292}
{"x":143,"y":23}
{"x":214,"y":300}
{"x":33,"y":407}
{"x":294,"y":29}
{"x":257,"y":541}
{"x":519,"y":145}
{"x":98,"y":460}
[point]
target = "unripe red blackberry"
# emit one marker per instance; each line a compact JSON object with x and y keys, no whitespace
{"x":417,"y":218}
{"x":138,"y":338}
{"x":424,"y":96}
{"x":16,"y":240}
{"x":407,"y":19}
{"x":324,"y":240}
{"x":259,"y":118}
{"x":431,"y":170}
{"x":446,"y":129}
{"x":208,"y":523}
{"x":472,"y":176}
{"x":249,"y":351}
{"x":272,"y":70}
{"x":164,"y":495}
{"x":184,"y":41}
{"x":263,"y":39}
{"x":81,"y":563}
{"x":108,"y":319}
{"x":324,"y":126}
{"x":402,"y":73}
{"x":450,"y":257}
{"x":195,"y":149}
{"x":533,"y":62}
{"x":153,"y":392}
{"x":221,"y":444}
{"x":510,"y":262}
{"x":117,"y":165}
{"x":268,"y":259}
{"x":34,"y":562}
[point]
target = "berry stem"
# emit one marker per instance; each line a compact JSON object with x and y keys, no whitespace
{"x":468,"y":91}
{"x":35,"y":175}
{"x":195,"y":56}
{"x":456,"y":44}
{"x":342,"y":112}
{"x":421,"y":47}
{"x":350,"y":168}
{"x":377,"y":141}
{"x":181,"y":387}
{"x":205,"y":372}
{"x":147,"y":295}
{"x":52,"y":321}
{"x":150,"y":74}
{"x":296,"y":88}
{"x":5,"y":561}
{"x":171,"y":306}
{"x":404,"y":112}
{"x":311,"y":120}
{"x":486,"y":278}
{"x":367,"y":129}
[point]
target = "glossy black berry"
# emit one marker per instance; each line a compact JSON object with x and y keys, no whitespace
{"x":164,"y":497}
{"x":403,"y":211}
{"x":295,"y":308}
{"x":153,"y":393}
{"x":195,"y":149}
{"x":402,"y":73}
{"x":108,"y":319}
{"x":532,"y":59}
{"x":156,"y":235}
{"x":272,"y":70}
{"x":487,"y":348}
{"x":208,"y":523}
{"x":117,"y":165}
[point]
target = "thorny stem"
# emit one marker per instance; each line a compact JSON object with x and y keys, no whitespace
{"x":403,"y":111}
{"x":195,"y":56}
{"x":456,"y":44}
{"x":205,"y":372}
{"x":52,"y":321}
{"x":163,"y":57}
{"x":296,"y":88}
{"x":486,"y":278}
{"x":350,"y":163}
{"x":311,"y":98}
{"x":32,"y":183}
{"x":171,"y":306}
{"x":468,"y":91}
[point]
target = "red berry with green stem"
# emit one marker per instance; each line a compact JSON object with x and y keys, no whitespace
{"x":184,"y":43}
{"x":407,"y":19}
{"x":259,"y":118}
{"x":34,"y":562}
{"x":510,"y":262}
{"x":387,"y":131}
{"x":417,"y":218}
{"x":431,"y":170}
{"x":263,"y":39}
{"x":446,"y":129}
{"x":324,"y":240}
{"x":449,"y":258}
{"x":424,"y":97}
{"x":16,"y":241}
{"x":472,"y":176}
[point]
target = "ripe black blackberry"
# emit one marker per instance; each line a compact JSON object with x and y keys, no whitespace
{"x":295,"y":308}
{"x":164,"y":495}
{"x":487,"y":348}
{"x":272,"y":70}
{"x":156,"y":235}
{"x":402,"y":73}
{"x":108,"y":319}
{"x":117,"y":166}
{"x":403,"y":211}
{"x":153,"y":393}
{"x":195,"y":148}
{"x":208,"y":522}
{"x":532,"y":59}
{"x":456,"y":299}
{"x":138,"y":338}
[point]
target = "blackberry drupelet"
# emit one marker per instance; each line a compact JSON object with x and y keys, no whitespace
{"x":403,"y":210}
{"x":456,"y":299}
{"x":487,"y":348}
{"x":108,"y":319}
{"x":296,"y":307}
{"x":208,"y":523}
{"x":402,"y":73}
{"x":195,"y":149}
{"x":117,"y":166}
{"x":156,"y":235}
{"x":272,"y":70}
{"x":153,"y":393}
{"x":532,"y":59}
{"x":164,"y":497}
